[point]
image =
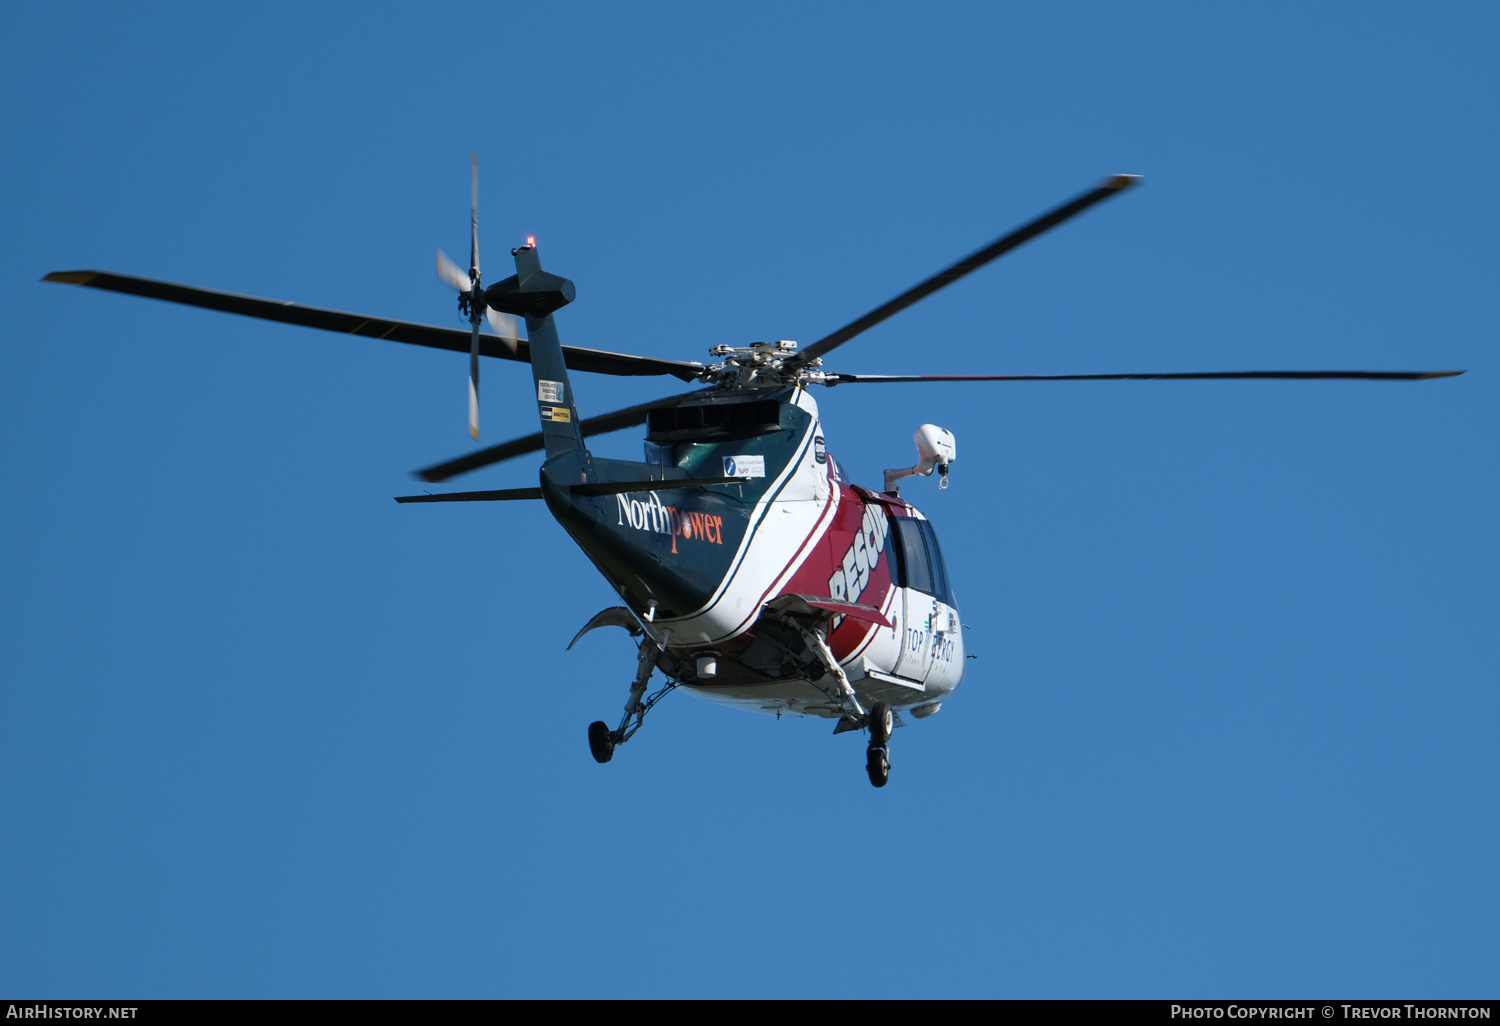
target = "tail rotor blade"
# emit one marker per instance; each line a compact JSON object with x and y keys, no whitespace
{"x":504,"y":325}
{"x":476,"y":308}
{"x":450,"y":274}
{"x":474,"y":216}
{"x":474,"y":385}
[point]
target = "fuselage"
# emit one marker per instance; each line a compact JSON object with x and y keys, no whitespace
{"x":699,"y":566}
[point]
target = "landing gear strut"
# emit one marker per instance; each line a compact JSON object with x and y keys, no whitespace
{"x":880,"y":718}
{"x":602,"y":740}
{"x":877,"y":756}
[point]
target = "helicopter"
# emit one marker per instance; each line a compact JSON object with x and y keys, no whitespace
{"x":750,"y":569}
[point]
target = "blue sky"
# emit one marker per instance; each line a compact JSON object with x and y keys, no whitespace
{"x":1231,"y":728}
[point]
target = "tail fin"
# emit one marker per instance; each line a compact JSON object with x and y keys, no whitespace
{"x":534,"y":294}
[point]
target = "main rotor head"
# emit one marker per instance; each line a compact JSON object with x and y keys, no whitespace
{"x":761,"y":365}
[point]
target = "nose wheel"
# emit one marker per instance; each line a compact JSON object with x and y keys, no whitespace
{"x":877,"y":757}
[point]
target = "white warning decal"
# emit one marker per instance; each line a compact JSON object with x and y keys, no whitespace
{"x":744,"y":466}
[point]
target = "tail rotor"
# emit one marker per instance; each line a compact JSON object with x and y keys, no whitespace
{"x":471,"y":298}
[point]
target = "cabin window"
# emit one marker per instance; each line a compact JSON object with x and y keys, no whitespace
{"x":919,"y":560}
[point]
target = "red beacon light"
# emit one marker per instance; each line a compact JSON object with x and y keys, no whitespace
{"x":531,"y":241}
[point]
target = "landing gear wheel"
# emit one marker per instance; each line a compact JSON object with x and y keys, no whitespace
{"x":878,"y":765}
{"x":882,"y":721}
{"x":600,"y":743}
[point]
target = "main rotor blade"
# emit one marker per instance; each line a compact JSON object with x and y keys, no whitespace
{"x":597,"y":361}
{"x":602,"y":424}
{"x":497,"y":495}
{"x":891,"y":379}
{"x":973,"y":262}
{"x":623,"y":487}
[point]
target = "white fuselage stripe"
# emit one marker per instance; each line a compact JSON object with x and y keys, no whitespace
{"x":741,"y":580}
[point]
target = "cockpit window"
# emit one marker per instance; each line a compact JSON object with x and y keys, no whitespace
{"x":942,"y":587}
